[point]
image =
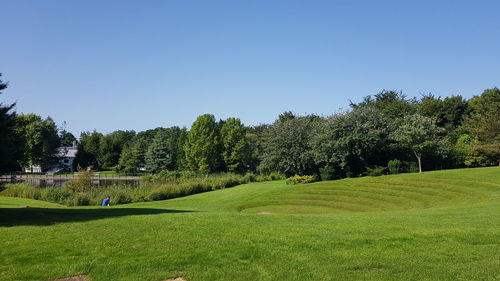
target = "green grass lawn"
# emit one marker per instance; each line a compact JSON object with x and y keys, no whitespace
{"x":442,"y":225}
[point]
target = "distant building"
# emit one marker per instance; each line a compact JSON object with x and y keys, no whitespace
{"x":33,"y":169}
{"x":66,"y":157}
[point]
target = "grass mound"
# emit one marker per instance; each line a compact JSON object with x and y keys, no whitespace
{"x":399,"y":192}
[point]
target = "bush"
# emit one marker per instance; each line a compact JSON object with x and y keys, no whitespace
{"x":395,"y":166}
{"x":78,"y":200}
{"x":120,"y":198}
{"x":300,"y":179}
{"x":168,"y":176}
{"x":83,"y":183}
{"x":327,"y":173}
{"x":54,"y":194}
{"x":375,"y":172}
{"x":411,"y":167}
{"x":249,"y":178}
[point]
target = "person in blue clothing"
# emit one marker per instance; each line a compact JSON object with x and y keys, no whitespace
{"x":105,"y":202}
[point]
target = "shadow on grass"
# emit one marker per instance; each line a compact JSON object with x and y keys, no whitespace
{"x":48,"y":216}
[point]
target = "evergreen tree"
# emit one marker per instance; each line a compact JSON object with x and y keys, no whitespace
{"x":132,"y":158}
{"x":162,"y":153}
{"x":67,"y":138}
{"x":10,"y":144}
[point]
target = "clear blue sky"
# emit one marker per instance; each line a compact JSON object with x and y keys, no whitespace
{"x":110,"y":65}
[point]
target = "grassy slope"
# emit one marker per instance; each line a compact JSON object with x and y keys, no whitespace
{"x":432,"y":226}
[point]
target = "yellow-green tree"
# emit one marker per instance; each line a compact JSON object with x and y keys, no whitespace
{"x":202,"y":147}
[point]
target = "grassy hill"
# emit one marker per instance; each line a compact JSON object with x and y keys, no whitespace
{"x":442,"y":225}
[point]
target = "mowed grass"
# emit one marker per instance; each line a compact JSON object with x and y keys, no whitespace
{"x":442,"y":225}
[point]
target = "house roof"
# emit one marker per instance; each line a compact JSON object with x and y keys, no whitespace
{"x":67,"y":151}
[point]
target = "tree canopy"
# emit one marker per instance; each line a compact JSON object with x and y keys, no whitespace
{"x":287,"y":146}
{"x":202,"y":147}
{"x":386,"y":132}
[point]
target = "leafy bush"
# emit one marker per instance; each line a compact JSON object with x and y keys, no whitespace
{"x":300,"y":179}
{"x":395,"y":166}
{"x":327,"y":173}
{"x":83,"y":183}
{"x":376,"y":171}
{"x":410,"y":167}
{"x":78,"y":200}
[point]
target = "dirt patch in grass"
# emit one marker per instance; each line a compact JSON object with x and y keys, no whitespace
{"x":264,"y":213}
{"x":175,"y":279}
{"x":74,"y":278}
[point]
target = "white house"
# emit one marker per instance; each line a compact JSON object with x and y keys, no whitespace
{"x":33,"y":169}
{"x":66,"y":155}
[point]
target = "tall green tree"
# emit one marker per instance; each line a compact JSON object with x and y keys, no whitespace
{"x":181,"y":153}
{"x":110,"y":148}
{"x":132,"y":158}
{"x":237,"y":152}
{"x":88,"y":150}
{"x":418,"y":134}
{"x":392,"y":104}
{"x":202,"y":148}
{"x":40,"y":140}
{"x":67,"y":138}
{"x":162,"y":153}
{"x":287,"y":146}
{"x":351,"y":142}
{"x":483,"y":125}
{"x":449,"y":112}
{"x":10,"y":145}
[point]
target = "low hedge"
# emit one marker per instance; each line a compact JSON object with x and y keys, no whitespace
{"x":300,"y":179}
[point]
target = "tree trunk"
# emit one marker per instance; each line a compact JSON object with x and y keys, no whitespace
{"x":419,"y":158}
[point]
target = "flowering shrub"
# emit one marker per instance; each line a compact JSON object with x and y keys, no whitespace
{"x":300,"y":179}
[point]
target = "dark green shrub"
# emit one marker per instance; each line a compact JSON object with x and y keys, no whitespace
{"x":327,"y":173}
{"x":395,"y":166}
{"x":276,"y":176}
{"x":169,"y":176}
{"x":249,"y":178}
{"x":120,"y":198}
{"x":159,"y":194}
{"x":78,"y":200}
{"x":376,"y":171}
{"x":410,"y":167}
{"x":58,"y":195}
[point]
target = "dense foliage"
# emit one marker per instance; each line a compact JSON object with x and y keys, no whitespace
{"x":9,"y":143}
{"x":384,"y":133}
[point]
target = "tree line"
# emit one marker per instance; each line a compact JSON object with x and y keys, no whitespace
{"x":384,"y":133}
